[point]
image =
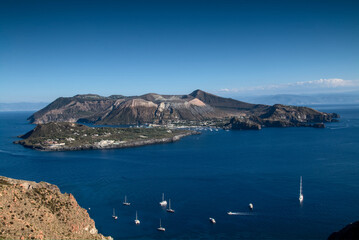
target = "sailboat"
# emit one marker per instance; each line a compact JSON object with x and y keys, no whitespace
{"x":161,"y":229}
{"x":114,"y":214}
{"x":301,"y":191}
{"x":163,"y":202}
{"x":125,"y":202}
{"x":136,"y":220}
{"x":169,"y":209}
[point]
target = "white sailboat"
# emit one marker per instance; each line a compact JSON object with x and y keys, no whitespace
{"x":163,"y":202}
{"x":161,"y":229}
{"x":169,"y":209}
{"x":136,"y":220}
{"x":301,"y":197}
{"x":114,"y":214}
{"x":125,"y":202}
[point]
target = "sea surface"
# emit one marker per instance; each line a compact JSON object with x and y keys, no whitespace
{"x":205,"y":176}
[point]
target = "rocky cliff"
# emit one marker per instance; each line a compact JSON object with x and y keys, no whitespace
{"x":195,"y":107}
{"x":30,"y":210}
{"x":349,"y":232}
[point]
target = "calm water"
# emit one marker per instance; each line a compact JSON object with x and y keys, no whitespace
{"x":206,"y":176}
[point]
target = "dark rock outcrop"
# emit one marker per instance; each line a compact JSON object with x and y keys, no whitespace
{"x":318,"y":125}
{"x":283,"y":116}
{"x":350,"y":232}
{"x":296,"y":114}
{"x":242,"y":124}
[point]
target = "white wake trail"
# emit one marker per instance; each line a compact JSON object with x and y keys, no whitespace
{"x":240,"y":213}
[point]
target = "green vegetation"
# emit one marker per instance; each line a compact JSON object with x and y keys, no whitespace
{"x":73,"y":136}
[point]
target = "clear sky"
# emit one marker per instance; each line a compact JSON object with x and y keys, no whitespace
{"x":62,"y":48}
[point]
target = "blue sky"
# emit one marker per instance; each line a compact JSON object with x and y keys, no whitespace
{"x":62,"y":48}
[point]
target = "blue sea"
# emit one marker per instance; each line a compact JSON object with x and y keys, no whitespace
{"x":205,"y":176}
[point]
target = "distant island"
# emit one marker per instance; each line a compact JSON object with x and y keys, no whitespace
{"x":197,"y":108}
{"x":31,"y":210}
{"x":307,"y":99}
{"x":64,"y":136}
{"x":22,"y":106}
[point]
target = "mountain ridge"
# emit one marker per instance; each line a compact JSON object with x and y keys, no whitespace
{"x":152,"y":108}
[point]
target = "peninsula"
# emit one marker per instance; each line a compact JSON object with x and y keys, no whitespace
{"x":197,"y":108}
{"x":65,"y":136}
{"x":31,"y":210}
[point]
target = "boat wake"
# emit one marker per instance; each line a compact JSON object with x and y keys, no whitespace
{"x":10,"y":153}
{"x":240,"y":213}
{"x":341,"y":126}
{"x":335,"y":128}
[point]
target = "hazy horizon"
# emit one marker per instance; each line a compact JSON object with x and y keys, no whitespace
{"x":234,"y":95}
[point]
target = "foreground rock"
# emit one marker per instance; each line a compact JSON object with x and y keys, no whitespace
{"x":350,"y":232}
{"x":72,"y":136}
{"x":30,"y":210}
{"x":196,"y":108}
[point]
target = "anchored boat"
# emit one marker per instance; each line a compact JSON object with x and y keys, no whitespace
{"x":136,"y":220}
{"x":169,"y":209}
{"x":161,"y":229}
{"x":125,"y":202}
{"x":163,"y":202}
{"x":114,"y":215}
